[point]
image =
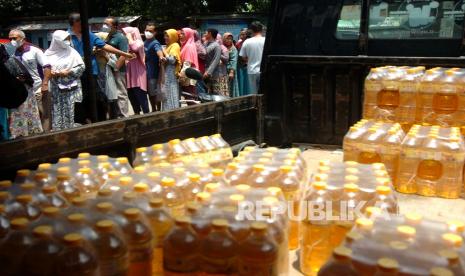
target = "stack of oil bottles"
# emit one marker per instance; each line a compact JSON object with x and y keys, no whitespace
{"x":403,"y":245}
{"x":175,"y":213}
{"x":427,"y":105}
{"x":340,"y":193}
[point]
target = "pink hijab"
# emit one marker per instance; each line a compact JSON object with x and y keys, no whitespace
{"x":189,"y":48}
{"x":224,"y":50}
{"x":138,"y":42}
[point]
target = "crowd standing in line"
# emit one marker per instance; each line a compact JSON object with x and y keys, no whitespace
{"x":125,"y":69}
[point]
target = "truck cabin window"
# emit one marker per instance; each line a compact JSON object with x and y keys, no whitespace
{"x":404,"y":19}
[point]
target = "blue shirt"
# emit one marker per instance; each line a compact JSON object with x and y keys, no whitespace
{"x":151,"y":58}
{"x":94,"y":42}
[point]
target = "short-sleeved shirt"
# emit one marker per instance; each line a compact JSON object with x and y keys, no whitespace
{"x":33,"y":59}
{"x":120,"y":42}
{"x":95,"y":41}
{"x":151,"y":58}
{"x":252,"y":49}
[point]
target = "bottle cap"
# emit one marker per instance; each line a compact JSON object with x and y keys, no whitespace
{"x":4,"y":195}
{"x":24,"y":199}
{"x":233,"y":166}
{"x":132,"y":213}
{"x":324,"y":163}
{"x":43,"y":231}
{"x":217,"y":172}
{"x":319,"y":185}
{"x":451,"y":256}
{"x":193,"y":206}
{"x":168,"y":182}
{"x":353,"y":236}
{"x":79,"y":201}
{"x":383,"y":181}
{"x":372,"y":210}
{"x":114,"y":174}
{"x":264,"y":161}
{"x":141,"y":188}
{"x":129,"y":196}
{"x":456,"y":226}
{"x":413,"y":218}
{"x":268,"y":155}
{"x":194,"y":177}
{"x":64,"y":171}
{"x":105,"y":192}
{"x":351,"y":188}
{"x":19,"y":223}
{"x":156,"y":202}
{"x":122,"y":160}
{"x":40,"y":176}
{"x":183,"y":220}
{"x":398,"y":245}
{"x":441,"y":271}
{"x":84,"y":163}
{"x":105,"y":225}
{"x":27,"y":186}
{"x":84,"y":155}
{"x":85,"y":171}
{"x":203,"y":197}
{"x":49,"y":189}
{"x":104,"y":165}
{"x":351,"y":179}
{"x":157,"y":147}
{"x":285,"y":169}
{"x":73,"y":239}
{"x":258,"y":226}
{"x":174,"y":142}
{"x":452,"y":239}
{"x":270,"y":200}
{"x":272,"y":149}
{"x":44,"y":167}
{"x":364,"y":223}
{"x":243,"y":187}
{"x":352,"y":171}
{"x":220,"y":223}
{"x":324,"y":169}
{"x":64,"y":160}
{"x":383,"y":190}
{"x":406,"y":231}
{"x":103,"y":158}
{"x":141,"y":150}
{"x":104,"y":206}
{"x":76,"y":217}
{"x":23,"y":173}
{"x":258,"y":168}
{"x":125,"y":181}
{"x":388,"y":264}
{"x":342,"y":252}
{"x":275,"y":191}
{"x":236,"y":198}
{"x":63,"y":177}
{"x":212,"y":187}
{"x":378,"y":166}
{"x":139,"y":169}
{"x":51,"y":211}
{"x":381,"y":173}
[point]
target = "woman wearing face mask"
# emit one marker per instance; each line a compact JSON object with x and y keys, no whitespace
{"x":136,"y":73}
{"x":232,"y":64}
{"x":189,"y":58}
{"x":171,"y":66}
{"x":65,"y":85}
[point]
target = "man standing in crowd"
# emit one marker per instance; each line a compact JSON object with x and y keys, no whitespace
{"x":118,"y":40}
{"x":25,"y":120}
{"x":212,"y":62}
{"x":82,"y":112}
{"x":251,"y":53}
{"x":153,"y":54}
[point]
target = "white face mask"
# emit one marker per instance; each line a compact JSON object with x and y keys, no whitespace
{"x":148,"y":35}
{"x":106,"y":28}
{"x":67,"y":42}
{"x":16,"y":43}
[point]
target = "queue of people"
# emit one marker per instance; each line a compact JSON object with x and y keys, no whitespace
{"x":126,"y":69}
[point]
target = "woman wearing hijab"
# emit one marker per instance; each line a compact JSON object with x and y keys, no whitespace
{"x":189,"y":58}
{"x":223,"y":85}
{"x":231,"y":66}
{"x":65,"y":85}
{"x":171,"y":67}
{"x":242,"y":76}
{"x":201,"y":51}
{"x":136,"y":72}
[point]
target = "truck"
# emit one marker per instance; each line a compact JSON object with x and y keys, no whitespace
{"x":316,"y":57}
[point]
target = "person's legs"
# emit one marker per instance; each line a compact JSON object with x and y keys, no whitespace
{"x":142,"y":99}
{"x":79,"y":108}
{"x":254,"y":82}
{"x":102,"y":106}
{"x":154,"y":96}
{"x":113,"y":109}
{"x":133,"y":99}
{"x":123,"y":97}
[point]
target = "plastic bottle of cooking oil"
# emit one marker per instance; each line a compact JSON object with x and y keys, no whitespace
{"x":81,"y":224}
{"x":278,"y":231}
{"x":159,"y":154}
{"x":388,"y":98}
{"x":122,"y":165}
{"x":42,"y":179}
{"x":192,"y":187}
{"x":340,"y":264}
{"x":14,"y":246}
{"x":102,"y":171}
{"x":315,"y":239}
{"x":77,"y":257}
{"x":174,"y":199}
{"x":180,"y":249}
{"x":161,"y":223}
{"x":219,"y":250}
{"x":79,"y":205}
{"x":427,"y":90}
{"x":112,"y":250}
{"x":390,"y":149}
{"x":51,"y":216}
{"x":4,"y":222}
{"x":5,"y":185}
{"x":40,"y":258}
{"x":23,"y":176}
{"x":387,"y":267}
{"x":199,"y":220}
{"x":373,"y":85}
{"x":453,"y":261}
{"x":87,"y":183}
{"x":448,"y":101}
{"x":408,"y":160}
{"x":143,"y":157}
{"x":258,"y":254}
{"x":453,"y":158}
{"x":370,"y":141}
{"x":24,"y":206}
{"x":139,"y":237}
{"x":51,"y":197}
{"x":5,"y":197}
{"x":430,"y":169}
{"x":408,"y":87}
{"x":67,"y":186}
{"x":179,"y":153}
{"x":385,"y":200}
{"x":194,"y":148}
